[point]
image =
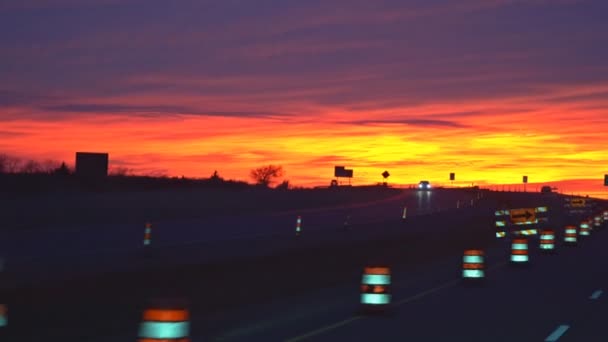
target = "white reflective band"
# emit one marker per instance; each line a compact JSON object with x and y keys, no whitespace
{"x":571,"y":231}
{"x":501,"y":223}
{"x":584,"y":225}
{"x":584,"y":232}
{"x":569,"y":239}
{"x":519,"y":258}
{"x":164,"y":330}
{"x":376,"y":279}
{"x":527,"y":222}
{"x":472,"y":259}
{"x":3,"y":321}
{"x":375,"y":298}
{"x":148,"y":230}
{"x":500,"y":234}
{"x":472,"y":274}
{"x":146,"y":242}
{"x":541,"y":209}
{"x":519,"y":246}
{"x":547,"y":237}
{"x":547,"y":246}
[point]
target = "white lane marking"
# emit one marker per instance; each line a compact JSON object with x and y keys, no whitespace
{"x":557,"y":333}
{"x":596,"y":294}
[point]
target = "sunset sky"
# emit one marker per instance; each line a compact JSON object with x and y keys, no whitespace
{"x":488,"y":89}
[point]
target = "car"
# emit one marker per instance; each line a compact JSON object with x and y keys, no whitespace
{"x":424,"y":185}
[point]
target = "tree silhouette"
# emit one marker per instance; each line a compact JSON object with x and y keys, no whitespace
{"x":265,"y":175}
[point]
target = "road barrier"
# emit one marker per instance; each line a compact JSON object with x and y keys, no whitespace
{"x":519,"y":251}
{"x":299,"y":226}
{"x":165,"y":325}
{"x":570,"y":235}
{"x":585,"y":229}
{"x":597,"y":221}
{"x":3,"y":316}
{"x":547,"y":240}
{"x":473,"y":264}
{"x":375,"y":287}
{"x":148,"y":234}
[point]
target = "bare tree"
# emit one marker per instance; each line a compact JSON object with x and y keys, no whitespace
{"x":9,"y":164}
{"x":49,"y":166}
{"x":265,"y":175}
{"x":120,"y":171}
{"x":31,"y":166}
{"x":283,"y":186}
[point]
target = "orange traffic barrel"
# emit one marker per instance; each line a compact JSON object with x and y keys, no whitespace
{"x":299,"y":226}
{"x":162,"y":324}
{"x":148,"y":234}
{"x":570,"y":235}
{"x":547,"y":240}
{"x":519,"y":251}
{"x":375,"y":286}
{"x":597,"y":221}
{"x":473,"y":264}
{"x":585,"y":229}
{"x":3,"y":316}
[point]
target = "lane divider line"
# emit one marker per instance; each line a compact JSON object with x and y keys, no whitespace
{"x":324,"y":329}
{"x":398,"y":303}
{"x":596,"y":295}
{"x":557,"y":333}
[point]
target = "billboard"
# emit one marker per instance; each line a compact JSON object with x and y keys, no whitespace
{"x":452,"y":176}
{"x":91,"y":165}
{"x":340,"y":171}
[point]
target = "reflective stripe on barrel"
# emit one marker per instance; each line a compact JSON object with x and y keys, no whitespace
{"x":473,"y":264}
{"x":375,"y":286}
{"x":165,"y":325}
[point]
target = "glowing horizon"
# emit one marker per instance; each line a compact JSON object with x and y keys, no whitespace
{"x":412,"y":89}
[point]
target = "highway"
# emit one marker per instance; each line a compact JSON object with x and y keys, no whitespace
{"x":277,"y":287}
{"x":56,"y":252}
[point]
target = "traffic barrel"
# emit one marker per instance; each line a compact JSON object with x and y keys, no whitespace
{"x":347,"y":223}
{"x":473,"y":264}
{"x":375,"y":287}
{"x":570,"y":235}
{"x":597,"y":221}
{"x":148,"y":234}
{"x":519,"y":251}
{"x":3,"y":305}
{"x":501,"y":229}
{"x":299,"y":226}
{"x":605,"y":215}
{"x":547,"y":240}
{"x":165,"y":324}
{"x":585,"y":229}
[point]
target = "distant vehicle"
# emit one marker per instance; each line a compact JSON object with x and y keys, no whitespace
{"x":424,"y":185}
{"x":546,"y":189}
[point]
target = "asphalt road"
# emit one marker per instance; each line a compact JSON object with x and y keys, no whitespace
{"x":57,"y":252}
{"x":278,"y":287}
